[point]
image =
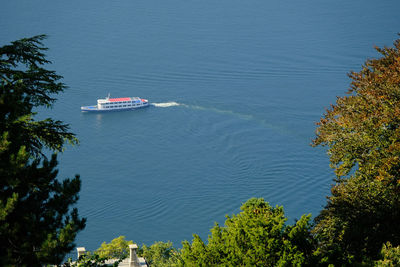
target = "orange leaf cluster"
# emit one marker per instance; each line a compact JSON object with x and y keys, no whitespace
{"x":362,"y":128}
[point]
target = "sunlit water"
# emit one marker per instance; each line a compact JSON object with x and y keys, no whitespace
{"x":236,"y":88}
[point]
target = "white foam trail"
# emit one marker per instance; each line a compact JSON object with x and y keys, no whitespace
{"x":247,"y":117}
{"x":165,"y":105}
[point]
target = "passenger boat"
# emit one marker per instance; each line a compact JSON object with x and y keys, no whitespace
{"x":122,"y":103}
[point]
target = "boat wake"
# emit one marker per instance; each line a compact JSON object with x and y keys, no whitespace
{"x":165,"y":105}
{"x":241,"y":116}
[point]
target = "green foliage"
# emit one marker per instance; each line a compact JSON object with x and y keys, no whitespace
{"x":90,"y":260}
{"x":118,"y":248}
{"x":363,"y":135}
{"x":24,"y":85}
{"x":36,"y":226}
{"x":160,"y":254}
{"x":257,"y":236}
{"x":360,"y":216}
{"x":391,"y":256}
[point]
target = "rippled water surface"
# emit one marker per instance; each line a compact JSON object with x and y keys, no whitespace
{"x":236,"y":87}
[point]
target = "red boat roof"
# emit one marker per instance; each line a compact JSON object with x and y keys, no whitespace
{"x":119,"y":99}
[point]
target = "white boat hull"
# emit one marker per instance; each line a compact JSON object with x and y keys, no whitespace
{"x":117,"y":104}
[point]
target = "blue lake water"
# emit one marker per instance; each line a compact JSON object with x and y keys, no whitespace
{"x":236,"y":87}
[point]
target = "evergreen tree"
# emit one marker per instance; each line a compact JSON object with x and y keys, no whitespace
{"x":36,"y":226}
{"x":257,"y":236}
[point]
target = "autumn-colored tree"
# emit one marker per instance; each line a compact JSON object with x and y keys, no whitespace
{"x":362,"y":132}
